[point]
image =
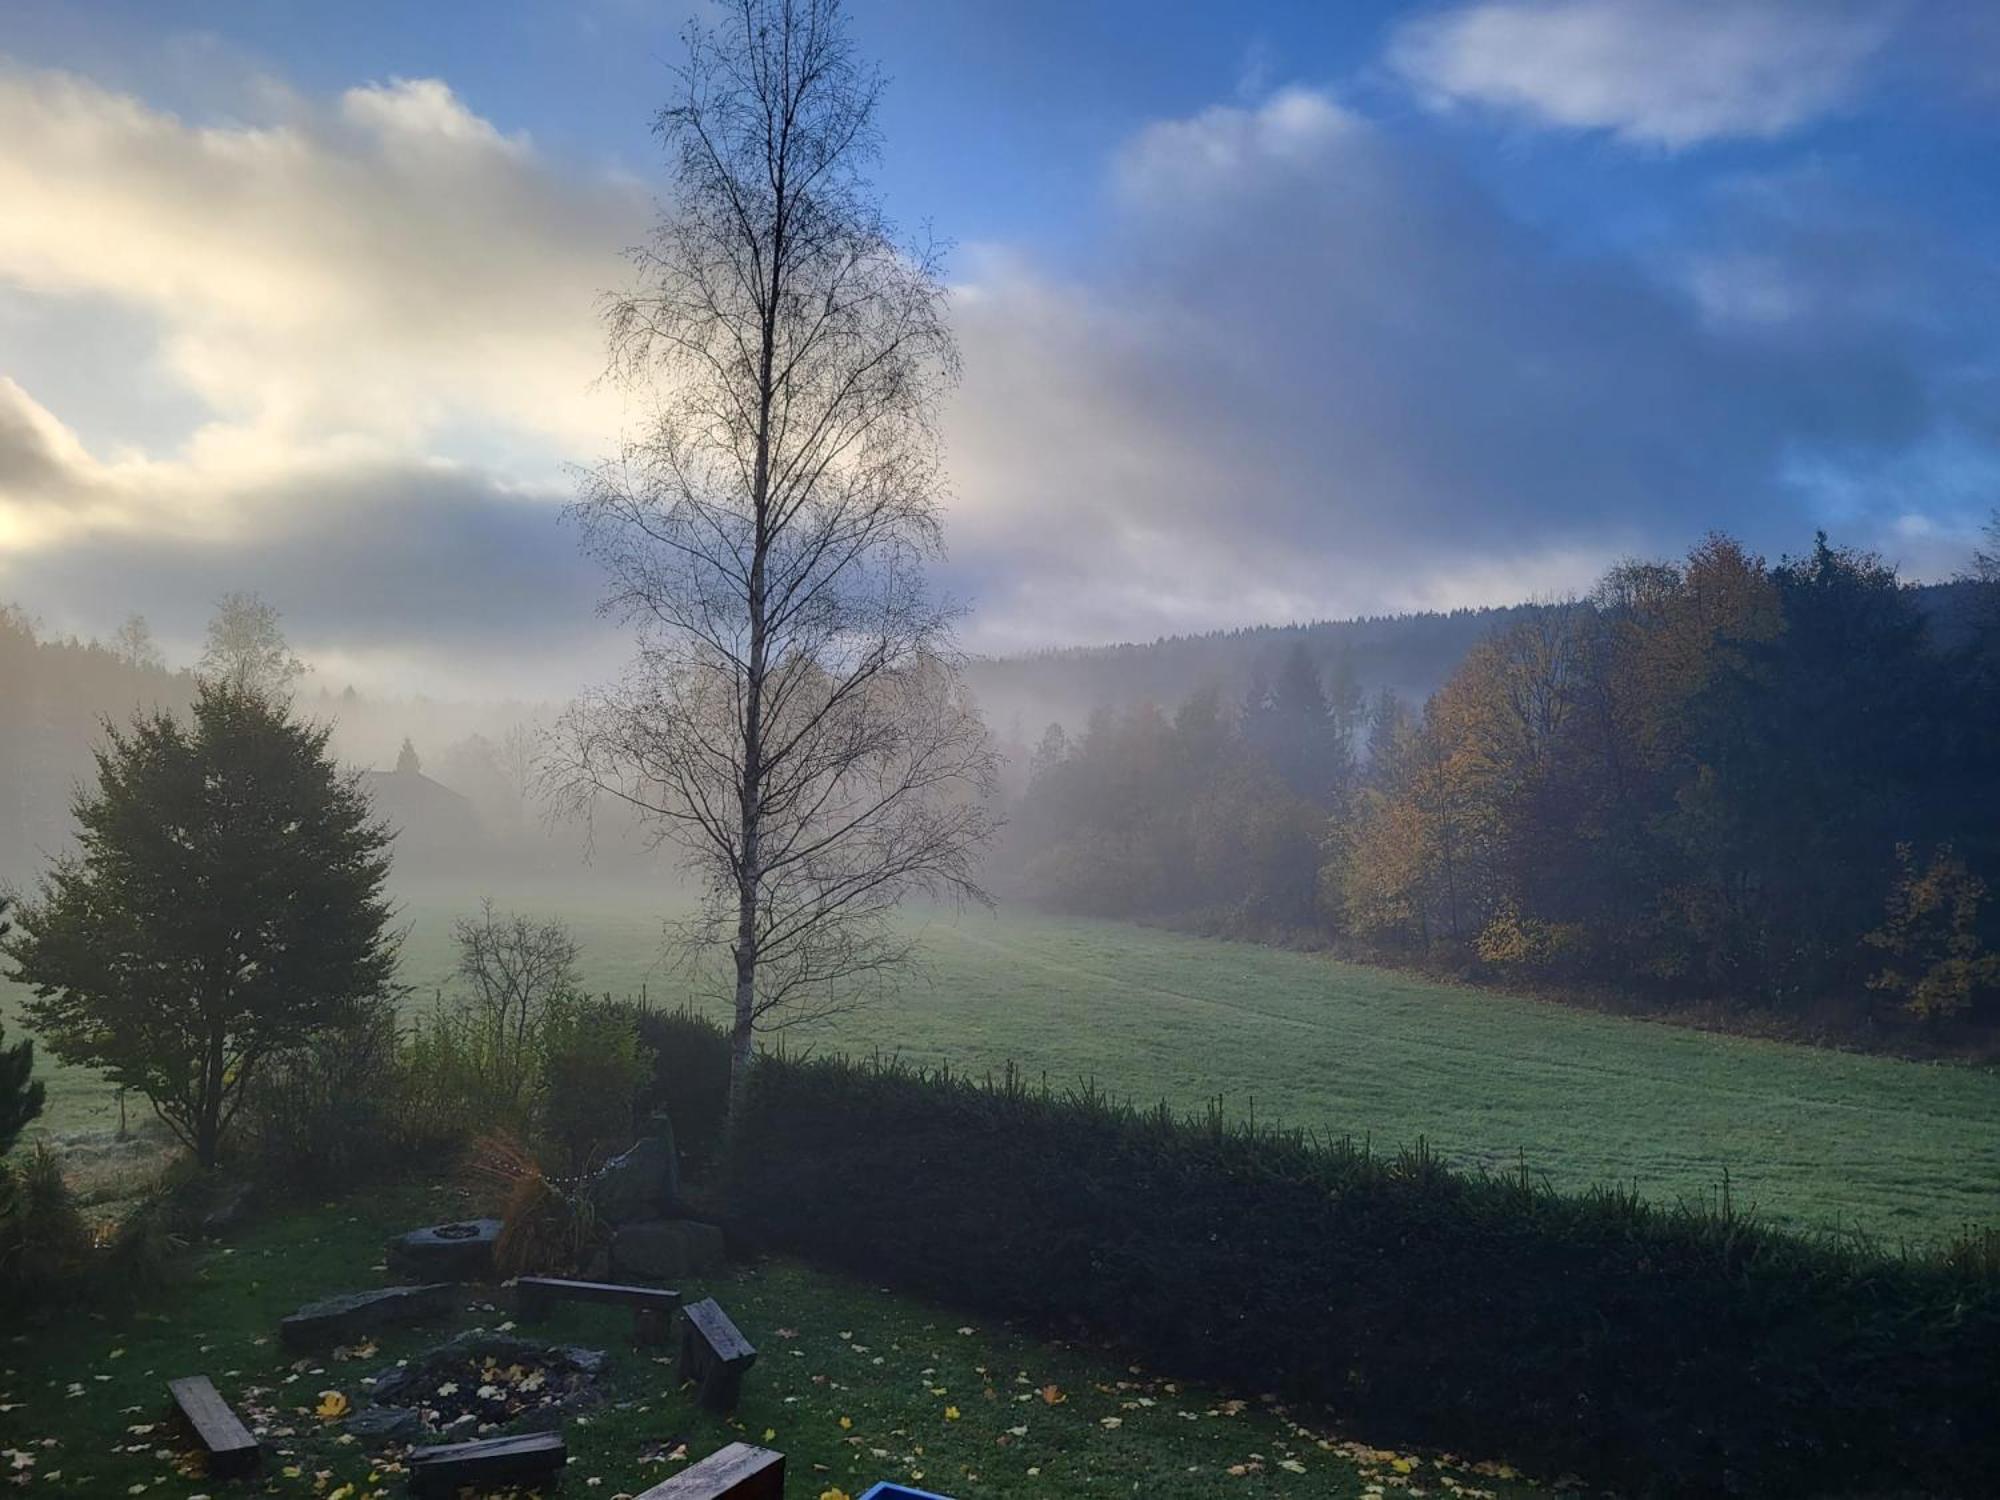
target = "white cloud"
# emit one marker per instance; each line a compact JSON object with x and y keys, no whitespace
{"x":1671,"y":73}
{"x":1316,"y":372}
{"x":388,"y":268}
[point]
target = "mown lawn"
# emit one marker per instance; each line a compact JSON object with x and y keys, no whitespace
{"x":851,"y":1383}
{"x":1810,"y":1137}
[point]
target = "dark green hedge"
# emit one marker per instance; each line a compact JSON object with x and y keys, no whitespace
{"x":1664,"y":1351}
{"x":690,"y":1079}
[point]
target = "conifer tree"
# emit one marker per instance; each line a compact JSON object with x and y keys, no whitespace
{"x":226,"y":903}
{"x":20,"y":1100}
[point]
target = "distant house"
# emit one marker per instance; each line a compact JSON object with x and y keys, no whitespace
{"x":434,"y":825}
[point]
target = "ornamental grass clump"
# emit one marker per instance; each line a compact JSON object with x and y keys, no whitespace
{"x":548,"y":1226}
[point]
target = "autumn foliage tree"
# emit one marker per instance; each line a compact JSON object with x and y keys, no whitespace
{"x":1937,"y":964}
{"x":1704,"y":779}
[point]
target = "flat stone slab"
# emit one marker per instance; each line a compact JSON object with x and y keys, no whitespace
{"x":337,"y":1318}
{"x":459,"y":1251}
{"x":386,"y":1424}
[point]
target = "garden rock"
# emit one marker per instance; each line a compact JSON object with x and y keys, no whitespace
{"x":644,"y":1182}
{"x":461,"y":1251}
{"x":386,"y":1424}
{"x":666,"y":1249}
{"x":227,"y":1206}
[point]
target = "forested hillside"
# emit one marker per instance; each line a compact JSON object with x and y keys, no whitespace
{"x":1410,"y":654}
{"x":1773,"y":786}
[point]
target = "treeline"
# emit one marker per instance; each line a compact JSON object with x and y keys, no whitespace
{"x":57,"y":694}
{"x":1411,"y":653}
{"x":1712,"y":780}
{"x":54,"y":696}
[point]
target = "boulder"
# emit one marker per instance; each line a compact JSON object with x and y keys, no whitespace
{"x":338,"y":1319}
{"x":666,"y":1250}
{"x":227,"y":1206}
{"x":461,"y":1251}
{"x":642,"y":1183}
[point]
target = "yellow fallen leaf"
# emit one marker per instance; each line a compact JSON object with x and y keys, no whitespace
{"x":332,"y":1406}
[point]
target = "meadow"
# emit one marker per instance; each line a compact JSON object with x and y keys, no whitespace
{"x":1815,"y":1138}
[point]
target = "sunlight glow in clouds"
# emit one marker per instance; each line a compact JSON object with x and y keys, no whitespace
{"x":1313,"y":365}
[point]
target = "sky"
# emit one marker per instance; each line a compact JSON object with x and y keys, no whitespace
{"x":1268,"y":312}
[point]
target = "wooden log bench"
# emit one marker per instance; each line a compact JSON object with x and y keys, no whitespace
{"x":334,"y":1320}
{"x":738,"y":1472}
{"x":652,"y":1307}
{"x":530,"y":1459}
{"x":200,"y":1410}
{"x":714,"y":1354}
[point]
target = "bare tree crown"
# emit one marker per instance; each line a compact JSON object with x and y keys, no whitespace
{"x":794,"y":717}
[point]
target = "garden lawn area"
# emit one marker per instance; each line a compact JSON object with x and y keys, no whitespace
{"x":1808,"y":1137}
{"x":851,"y":1383}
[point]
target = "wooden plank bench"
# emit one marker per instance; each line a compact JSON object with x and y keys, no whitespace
{"x":738,"y":1472}
{"x":533,"y":1459}
{"x":652,"y":1307}
{"x":232,"y":1450}
{"x":334,"y":1320}
{"x":714,"y":1354}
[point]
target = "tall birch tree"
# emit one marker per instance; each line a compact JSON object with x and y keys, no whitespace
{"x":793,"y":719}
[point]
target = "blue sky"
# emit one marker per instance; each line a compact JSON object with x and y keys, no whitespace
{"x":1268,"y":311}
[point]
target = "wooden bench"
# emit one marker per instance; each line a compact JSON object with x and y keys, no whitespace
{"x":232,"y":1450}
{"x":738,"y":1472}
{"x":342,"y":1319}
{"x":714,"y":1354}
{"x":652,"y":1307}
{"x":533,"y":1459}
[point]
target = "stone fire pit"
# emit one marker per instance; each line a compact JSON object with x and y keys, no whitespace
{"x":477,"y":1385}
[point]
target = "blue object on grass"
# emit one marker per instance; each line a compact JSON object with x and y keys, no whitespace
{"x":887,"y":1491}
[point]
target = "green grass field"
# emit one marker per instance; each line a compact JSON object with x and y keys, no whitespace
{"x":1907,"y":1151}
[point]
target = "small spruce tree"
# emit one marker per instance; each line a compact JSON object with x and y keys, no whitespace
{"x":226,"y":904}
